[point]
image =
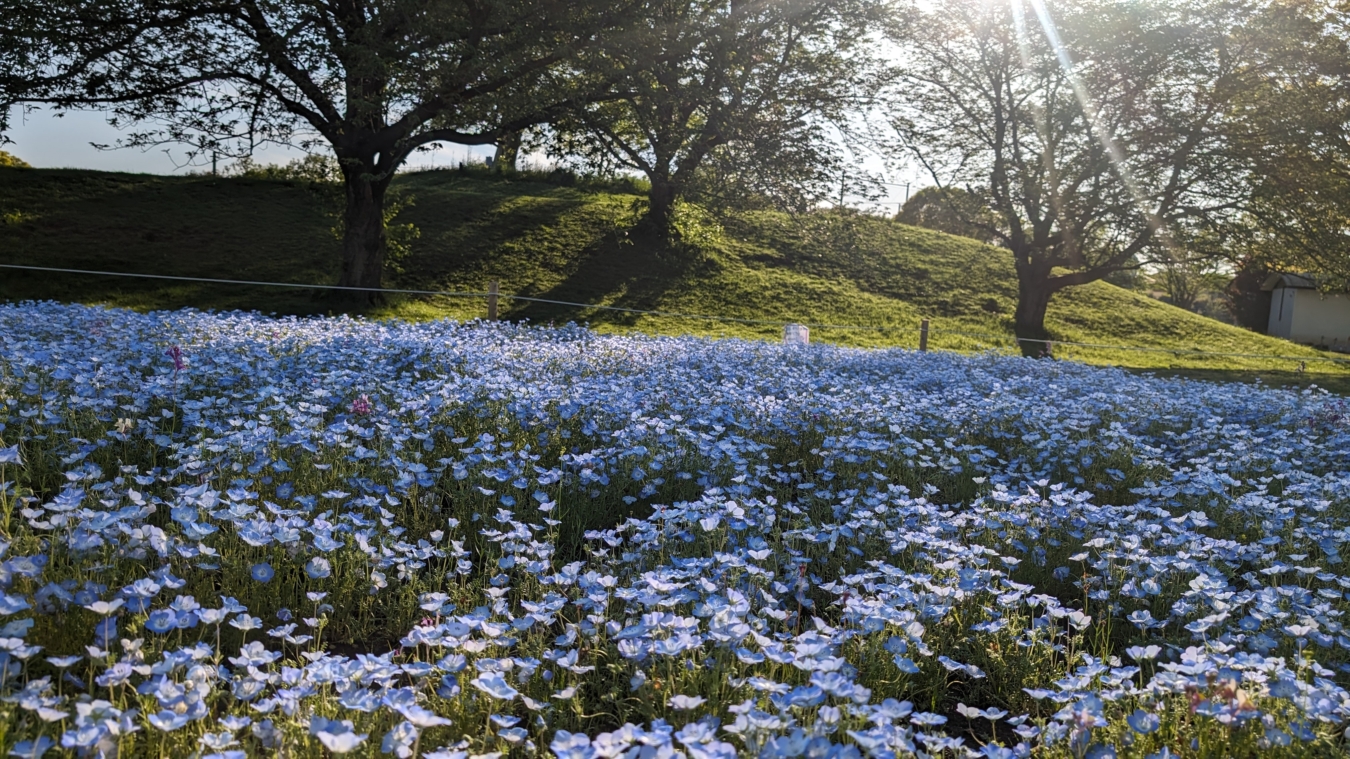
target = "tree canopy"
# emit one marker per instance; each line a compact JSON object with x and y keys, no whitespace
{"x":951,"y":210}
{"x":1296,"y":131}
{"x":749,"y":88}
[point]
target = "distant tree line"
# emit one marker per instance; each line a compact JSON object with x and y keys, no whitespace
{"x":1089,"y":140}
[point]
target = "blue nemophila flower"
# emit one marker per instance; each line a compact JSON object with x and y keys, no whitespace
{"x":1143,"y":653}
{"x":1278,"y":737}
{"x":246,"y":622}
{"x":955,"y":666}
{"x":318,"y":568}
{"x":421,"y":717}
{"x":1143,"y":722}
{"x":927,"y":719}
{"x":973,"y":713}
{"x":1143,"y":619}
{"x":400,"y":740}
{"x":34,"y":748}
{"x":494,"y":685}
{"x":235,"y":723}
{"x":161,"y":621}
{"x":168,"y":721}
{"x":449,"y":687}
{"x":906,"y":665}
{"x":102,"y":608}
{"x":567,"y":745}
{"x":217,"y":741}
{"x":262,"y":572}
{"x":338,"y":736}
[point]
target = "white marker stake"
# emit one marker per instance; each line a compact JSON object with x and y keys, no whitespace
{"x":796,"y":334}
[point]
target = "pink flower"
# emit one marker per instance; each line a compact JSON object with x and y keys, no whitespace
{"x":362,"y":406}
{"x":176,"y":353}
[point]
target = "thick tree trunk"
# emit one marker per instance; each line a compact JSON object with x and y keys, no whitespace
{"x":1033,"y":298}
{"x":660,"y":205}
{"x":363,"y":240}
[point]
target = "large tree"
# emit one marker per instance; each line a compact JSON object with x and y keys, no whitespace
{"x":372,"y":80}
{"x":755,"y":83}
{"x":1095,"y":133}
{"x":1296,"y":129}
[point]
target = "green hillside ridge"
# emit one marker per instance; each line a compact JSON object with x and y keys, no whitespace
{"x":571,"y":244}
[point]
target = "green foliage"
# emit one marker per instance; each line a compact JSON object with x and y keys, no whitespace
{"x":16,"y":218}
{"x":559,"y":176}
{"x":9,"y":160}
{"x":695,"y":228}
{"x":740,"y":90}
{"x":1292,"y":133}
{"x":399,"y":237}
{"x":315,"y":169}
{"x":951,"y":210}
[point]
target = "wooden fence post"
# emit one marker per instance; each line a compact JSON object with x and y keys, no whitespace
{"x":492,"y":301}
{"x":923,"y":335}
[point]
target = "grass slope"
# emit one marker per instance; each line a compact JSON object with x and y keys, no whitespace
{"x":570,"y":244}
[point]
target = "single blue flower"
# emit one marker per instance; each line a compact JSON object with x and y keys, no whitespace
{"x":318,"y":568}
{"x":1143,"y":722}
{"x":494,"y":685}
{"x":262,"y":572}
{"x":161,"y":621}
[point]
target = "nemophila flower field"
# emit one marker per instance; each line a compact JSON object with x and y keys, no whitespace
{"x":229,"y":535}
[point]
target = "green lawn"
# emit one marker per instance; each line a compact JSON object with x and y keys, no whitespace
{"x":570,"y":244}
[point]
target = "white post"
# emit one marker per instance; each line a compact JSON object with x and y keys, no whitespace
{"x":796,"y":334}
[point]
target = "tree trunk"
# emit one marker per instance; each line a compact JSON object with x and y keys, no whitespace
{"x":508,"y":153}
{"x":363,"y":239}
{"x":1248,"y":304}
{"x":660,"y":205}
{"x":1033,"y":298}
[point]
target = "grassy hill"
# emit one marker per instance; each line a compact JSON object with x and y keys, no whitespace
{"x":571,"y":244}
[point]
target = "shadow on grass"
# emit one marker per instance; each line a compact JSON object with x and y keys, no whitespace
{"x":634,"y":272}
{"x":178,"y":226}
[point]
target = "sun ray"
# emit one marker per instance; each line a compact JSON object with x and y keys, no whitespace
{"x":1091,"y":112}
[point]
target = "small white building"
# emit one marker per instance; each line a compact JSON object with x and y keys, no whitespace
{"x":1300,"y":313}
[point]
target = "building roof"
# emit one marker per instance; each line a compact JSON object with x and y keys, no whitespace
{"x":1292,"y":281}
